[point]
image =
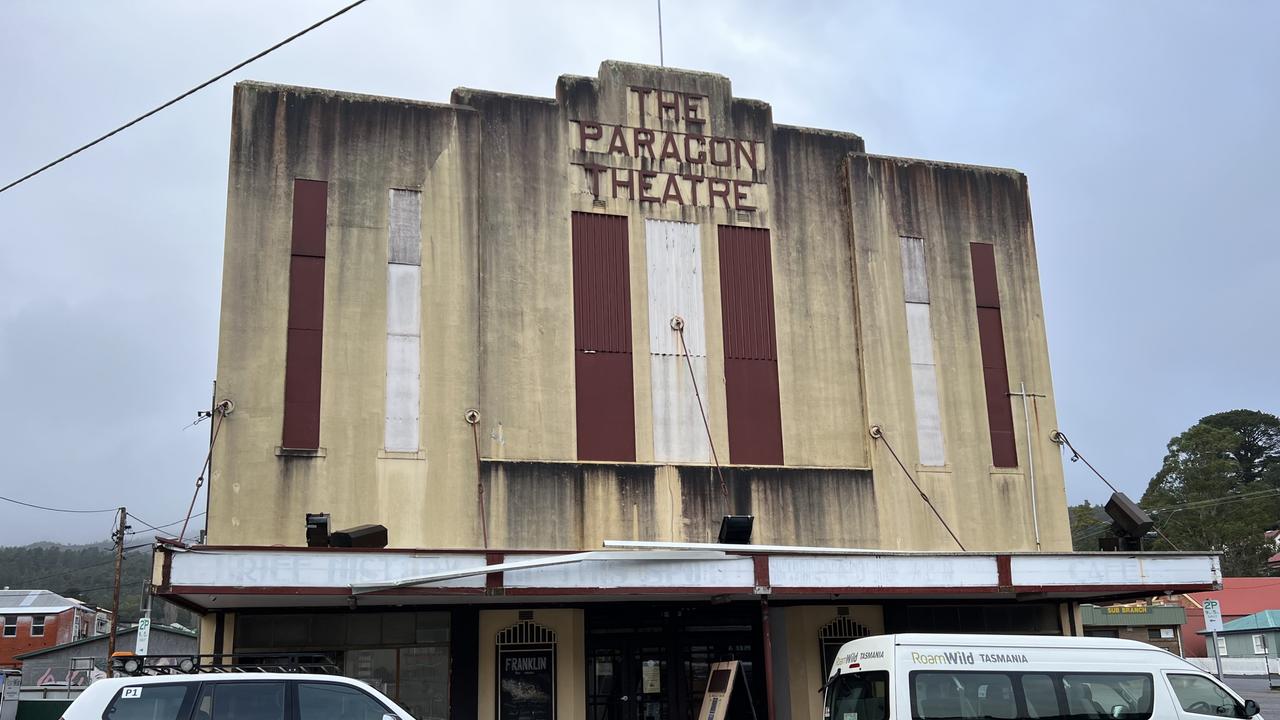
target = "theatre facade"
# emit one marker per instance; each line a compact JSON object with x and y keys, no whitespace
{"x":549,"y":343}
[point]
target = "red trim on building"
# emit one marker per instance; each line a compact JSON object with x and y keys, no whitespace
{"x":304,"y":342}
{"x":750,"y":347}
{"x":995,"y":371}
{"x":604,"y":388}
{"x":1004,"y":571}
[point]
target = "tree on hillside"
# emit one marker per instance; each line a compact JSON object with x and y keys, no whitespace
{"x":1087,"y":525}
{"x":1219,"y":489}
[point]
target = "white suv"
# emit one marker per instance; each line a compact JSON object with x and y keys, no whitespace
{"x":233,"y":696}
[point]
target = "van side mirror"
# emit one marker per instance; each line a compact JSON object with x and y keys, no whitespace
{"x":1117,"y":711}
{"x":1251,"y":708}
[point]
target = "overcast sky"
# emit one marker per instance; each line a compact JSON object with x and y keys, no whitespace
{"x":1148,"y":131}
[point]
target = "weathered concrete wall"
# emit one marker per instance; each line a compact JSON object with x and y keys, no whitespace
{"x":951,"y":206}
{"x":500,"y":176}
{"x":362,"y":147}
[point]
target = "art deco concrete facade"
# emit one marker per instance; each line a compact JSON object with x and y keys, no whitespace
{"x":500,"y":178}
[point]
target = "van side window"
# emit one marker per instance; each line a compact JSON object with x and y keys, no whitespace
{"x":241,"y":701}
{"x":149,"y":702}
{"x":1100,"y":695}
{"x":962,"y":695}
{"x":858,"y":696}
{"x":1202,"y":696}
{"x":1040,"y":697}
{"x":331,"y":701}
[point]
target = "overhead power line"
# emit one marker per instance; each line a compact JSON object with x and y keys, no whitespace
{"x":54,"y":509}
{"x":160,"y":528}
{"x":184,"y":95}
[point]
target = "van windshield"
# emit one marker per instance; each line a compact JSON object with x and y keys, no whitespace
{"x":858,"y":696}
{"x":1039,"y":696}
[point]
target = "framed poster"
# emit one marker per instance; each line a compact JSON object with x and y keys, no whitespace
{"x":526,"y":682}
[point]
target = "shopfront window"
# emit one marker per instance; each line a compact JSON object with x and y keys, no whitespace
{"x":405,"y":655}
{"x":858,"y":696}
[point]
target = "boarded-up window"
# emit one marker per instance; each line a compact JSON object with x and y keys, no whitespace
{"x":674,"y":259}
{"x":404,"y":321}
{"x":995,"y":371}
{"x":306,"y":316}
{"x":602,"y":338}
{"x":924,"y":378}
{"x":750,"y":347}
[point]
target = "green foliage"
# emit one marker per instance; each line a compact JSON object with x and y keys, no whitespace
{"x":1219,"y":489}
{"x":86,"y":573}
{"x":1088,"y":523}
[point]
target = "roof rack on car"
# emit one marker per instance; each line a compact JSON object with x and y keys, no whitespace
{"x":138,"y":665}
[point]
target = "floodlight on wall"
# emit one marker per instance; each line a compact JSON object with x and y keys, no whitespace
{"x":736,"y":529}
{"x":317,"y":529}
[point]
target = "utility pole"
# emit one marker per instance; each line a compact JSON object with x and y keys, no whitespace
{"x":118,"y":536}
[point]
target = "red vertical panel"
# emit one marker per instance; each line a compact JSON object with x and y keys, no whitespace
{"x":310,"y":206}
{"x":750,"y":347}
{"x":601,"y":283}
{"x":746,"y":293}
{"x":606,"y":406}
{"x":995,"y":371}
{"x":602,"y":338}
{"x":304,"y":340}
{"x":755,"y":422}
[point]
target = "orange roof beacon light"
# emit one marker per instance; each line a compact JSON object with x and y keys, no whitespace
{"x":126,"y":662}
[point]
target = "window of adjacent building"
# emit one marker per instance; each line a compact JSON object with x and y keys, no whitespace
{"x":1222,"y":646}
{"x":238,"y":701}
{"x":10,"y":626}
{"x":37,"y":626}
{"x":1259,"y":645}
{"x":150,"y":702}
{"x":864,"y":696}
{"x":1200,"y":695}
{"x":331,"y":701}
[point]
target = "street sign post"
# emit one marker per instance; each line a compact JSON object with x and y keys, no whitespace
{"x":142,"y":640}
{"x":1213,"y":623}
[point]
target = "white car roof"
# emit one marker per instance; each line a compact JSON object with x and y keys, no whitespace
{"x":222,"y":677}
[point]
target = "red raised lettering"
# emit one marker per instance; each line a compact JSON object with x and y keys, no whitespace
{"x":717,"y":188}
{"x":728,"y":152}
{"x":643,"y":139}
{"x":699,"y":157}
{"x":624,"y":183}
{"x":740,"y":188}
{"x":672,"y":191}
{"x":618,"y":142}
{"x":646,"y":186}
{"x":593,"y":174}
{"x":744,"y":149}
{"x":670,"y":148}
{"x":588,"y":131}
{"x":693,"y":187}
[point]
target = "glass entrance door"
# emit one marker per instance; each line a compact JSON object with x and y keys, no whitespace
{"x":653,"y":664}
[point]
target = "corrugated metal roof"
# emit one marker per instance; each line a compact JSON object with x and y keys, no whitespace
{"x":1265,"y":620}
{"x":27,"y":602}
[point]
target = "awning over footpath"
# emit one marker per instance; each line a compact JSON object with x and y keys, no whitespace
{"x":227,"y":577}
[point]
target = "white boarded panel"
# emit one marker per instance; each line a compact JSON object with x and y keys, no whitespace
{"x":679,"y":434}
{"x":924,"y":383}
{"x":915,"y":283}
{"x":675,"y":286}
{"x":919,"y":333}
{"x":404,"y":305}
{"x":402,"y":393}
{"x":404,"y":227}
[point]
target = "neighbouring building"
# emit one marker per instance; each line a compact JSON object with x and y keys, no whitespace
{"x":551,"y":342}
{"x":1238,"y":598}
{"x":1159,"y":625}
{"x":53,"y":667}
{"x":1252,"y":636}
{"x":35,"y":619}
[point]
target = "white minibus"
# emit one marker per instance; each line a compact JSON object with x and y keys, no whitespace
{"x":998,"y":677}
